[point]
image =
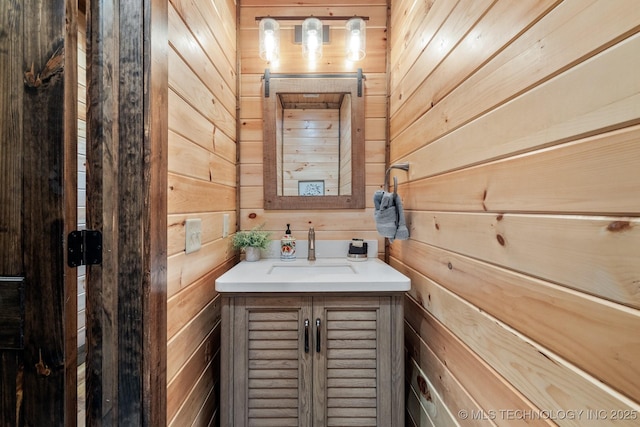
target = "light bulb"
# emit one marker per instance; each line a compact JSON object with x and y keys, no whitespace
{"x":269,"y":40}
{"x":356,"y":39}
{"x":311,"y":39}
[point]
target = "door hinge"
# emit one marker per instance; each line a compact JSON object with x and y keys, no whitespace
{"x":84,"y":247}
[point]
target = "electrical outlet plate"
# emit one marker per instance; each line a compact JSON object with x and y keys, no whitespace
{"x":193,"y":235}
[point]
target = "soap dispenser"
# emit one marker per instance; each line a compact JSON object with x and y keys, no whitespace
{"x":288,"y":246}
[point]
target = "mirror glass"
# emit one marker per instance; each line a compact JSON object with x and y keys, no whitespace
{"x":314,"y":144}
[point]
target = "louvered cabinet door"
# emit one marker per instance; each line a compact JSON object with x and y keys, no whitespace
{"x":346,"y":368}
{"x":352,"y":369}
{"x":272,"y":369}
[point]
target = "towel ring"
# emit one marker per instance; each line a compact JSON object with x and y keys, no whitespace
{"x":403,"y":166}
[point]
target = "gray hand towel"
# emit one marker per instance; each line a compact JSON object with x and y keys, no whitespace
{"x":402,"y":232}
{"x":389,"y":215}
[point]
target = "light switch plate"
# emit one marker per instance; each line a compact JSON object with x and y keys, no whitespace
{"x":225,"y":225}
{"x":193,"y":235}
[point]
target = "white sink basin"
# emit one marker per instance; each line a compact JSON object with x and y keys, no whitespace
{"x":336,"y":275}
{"x":311,"y":268}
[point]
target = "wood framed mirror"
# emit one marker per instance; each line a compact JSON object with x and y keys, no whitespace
{"x":313,"y":127}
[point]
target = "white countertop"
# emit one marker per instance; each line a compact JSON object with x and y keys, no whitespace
{"x":323,"y":275}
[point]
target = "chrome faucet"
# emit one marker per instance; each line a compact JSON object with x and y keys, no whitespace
{"x":311,"y":256}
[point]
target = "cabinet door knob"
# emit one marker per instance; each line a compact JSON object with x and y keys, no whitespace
{"x":306,"y":335}
{"x":318,"y":335}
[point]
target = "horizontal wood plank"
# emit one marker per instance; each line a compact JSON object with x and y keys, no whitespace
{"x":219,"y":49}
{"x":183,"y":269}
{"x":445,"y":42}
{"x":200,"y":361}
{"x":184,"y":306}
{"x":202,"y":397}
{"x":189,"y":159}
{"x":183,"y":345}
{"x":188,"y":195}
{"x":513,"y":356}
{"x":529,"y":118}
{"x":599,"y":254}
{"x":495,"y":26}
{"x":598,"y":179}
{"x":427,"y":403}
{"x":603,"y":343}
{"x":462,"y":379}
{"x":189,"y":49}
{"x":190,"y":87}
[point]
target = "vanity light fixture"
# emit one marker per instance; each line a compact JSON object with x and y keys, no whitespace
{"x":356,"y":39}
{"x":269,"y":40}
{"x":312,"y":34}
{"x":312,"y":39}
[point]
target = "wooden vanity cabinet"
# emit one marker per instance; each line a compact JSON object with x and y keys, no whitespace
{"x":312,"y":360}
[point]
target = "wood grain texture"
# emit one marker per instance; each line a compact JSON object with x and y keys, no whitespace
{"x":602,"y":247}
{"x":551,"y":44}
{"x":424,"y":406}
{"x":200,"y":19}
{"x":582,"y":185}
{"x":49,"y":107}
{"x":187,"y":47}
{"x":345,"y":378}
{"x":517,"y":131}
{"x":127,"y":155}
{"x":201,"y":184}
{"x":81,"y":166}
{"x":251,"y":198}
{"x":520,"y":202}
{"x":212,"y":225}
{"x":11,"y":171}
{"x":184,"y":306}
{"x":602,"y":344}
{"x":485,"y":29}
{"x":522,"y":364}
{"x":11,"y":136}
{"x":155,"y":215}
{"x":181,"y":346}
{"x":11,"y":313}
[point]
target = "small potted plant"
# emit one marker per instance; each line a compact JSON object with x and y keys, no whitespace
{"x":251,"y":242}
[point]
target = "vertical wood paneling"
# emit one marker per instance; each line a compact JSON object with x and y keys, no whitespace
{"x":37,"y":172}
{"x":522,"y":140}
{"x":11,"y":170}
{"x":336,"y":224}
{"x":201,"y":184}
{"x":82,"y":158}
{"x":126,"y":157}
{"x":11,"y":130}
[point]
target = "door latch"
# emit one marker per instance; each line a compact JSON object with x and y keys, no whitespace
{"x":84,"y":247}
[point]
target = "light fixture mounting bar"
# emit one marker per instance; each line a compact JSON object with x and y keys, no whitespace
{"x":268,"y":75}
{"x":322,"y":18}
{"x":297,"y":34}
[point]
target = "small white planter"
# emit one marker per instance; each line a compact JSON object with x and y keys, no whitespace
{"x":251,"y":253}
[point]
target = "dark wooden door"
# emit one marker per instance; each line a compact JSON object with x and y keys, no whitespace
{"x":127,"y":198}
{"x":127,"y":131}
{"x":37,"y":210}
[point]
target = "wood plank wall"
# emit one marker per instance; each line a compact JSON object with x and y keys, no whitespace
{"x":82,"y":172}
{"x":346,"y":165}
{"x":521,"y":123}
{"x":319,"y":160}
{"x":201,"y":184}
{"x":333,"y":224}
